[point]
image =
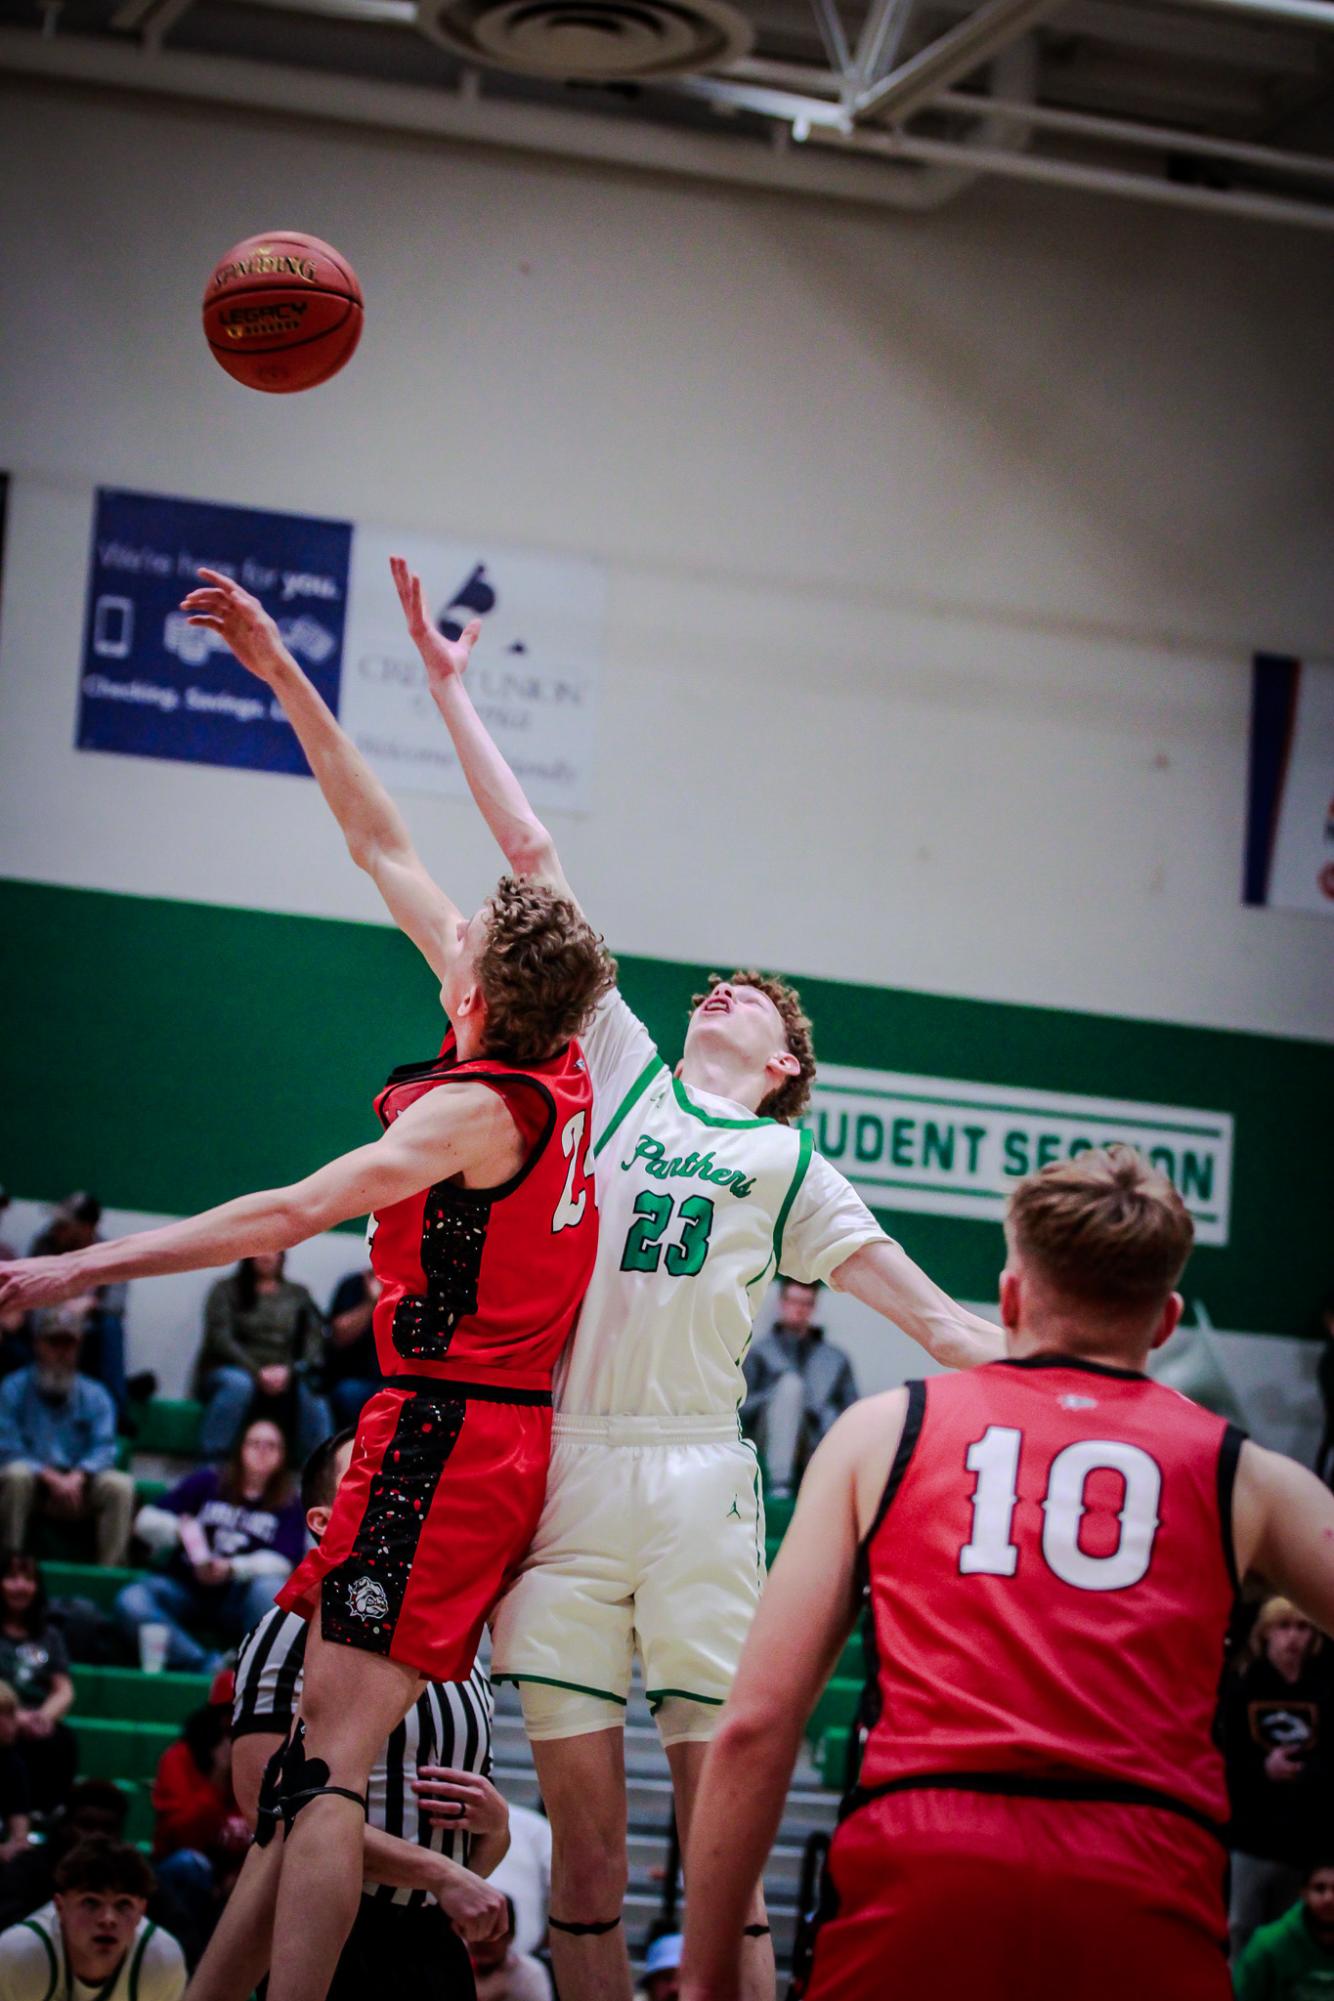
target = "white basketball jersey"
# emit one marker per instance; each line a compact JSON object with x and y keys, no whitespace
{"x":700,"y":1204}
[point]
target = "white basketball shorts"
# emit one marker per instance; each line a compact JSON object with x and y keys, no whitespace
{"x":651,"y":1540}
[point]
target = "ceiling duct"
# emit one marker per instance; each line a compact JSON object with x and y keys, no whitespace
{"x":596,"y":41}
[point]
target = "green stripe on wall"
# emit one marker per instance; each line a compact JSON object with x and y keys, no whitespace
{"x":171,"y":1054}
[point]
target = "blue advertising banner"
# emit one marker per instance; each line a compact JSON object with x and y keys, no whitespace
{"x":154,"y":686}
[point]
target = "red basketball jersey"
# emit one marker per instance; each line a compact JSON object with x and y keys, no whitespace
{"x":484,"y":1284}
{"x":1050,"y":1581}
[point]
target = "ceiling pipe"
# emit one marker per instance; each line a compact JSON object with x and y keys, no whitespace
{"x":1093,"y":180}
{"x":1130,"y":132}
{"x":1317,"y":14}
{"x":955,"y":54}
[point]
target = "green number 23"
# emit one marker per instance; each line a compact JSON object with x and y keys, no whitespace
{"x":653,"y":1212}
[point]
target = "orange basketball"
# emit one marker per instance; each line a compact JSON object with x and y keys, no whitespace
{"x":282,"y":311}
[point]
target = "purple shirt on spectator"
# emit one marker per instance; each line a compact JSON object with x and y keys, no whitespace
{"x":237,"y":1528}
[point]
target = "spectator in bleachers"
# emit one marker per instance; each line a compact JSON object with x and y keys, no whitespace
{"x":58,"y":1442}
{"x":94,"y":1938}
{"x":94,"y":1807}
{"x":351,"y":1373}
{"x":1278,"y":1741}
{"x":35,"y":1662}
{"x":1293,"y":1958}
{"x":502,"y":1973}
{"x":524,"y":1873}
{"x":231,"y":1535}
{"x":662,"y":1967}
{"x":199,"y":1836}
{"x":27,"y":1880}
{"x":797,"y":1383}
{"x":15,"y":1340}
{"x":14,"y":1821}
{"x":72,"y":1226}
{"x":262,"y":1334}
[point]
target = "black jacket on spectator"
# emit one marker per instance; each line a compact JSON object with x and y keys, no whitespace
{"x":1281,"y":1820}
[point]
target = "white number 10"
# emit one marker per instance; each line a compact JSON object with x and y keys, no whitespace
{"x":990,"y":1551}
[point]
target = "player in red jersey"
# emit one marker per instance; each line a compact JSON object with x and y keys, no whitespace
{"x":486,"y":1234}
{"x":1048,"y":1548}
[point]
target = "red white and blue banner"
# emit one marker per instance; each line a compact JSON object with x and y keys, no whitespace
{"x":1290,"y":810}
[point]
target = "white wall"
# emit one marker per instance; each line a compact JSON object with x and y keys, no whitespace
{"x":938,"y":545}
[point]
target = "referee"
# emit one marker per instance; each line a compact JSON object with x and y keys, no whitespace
{"x":435,"y":1825}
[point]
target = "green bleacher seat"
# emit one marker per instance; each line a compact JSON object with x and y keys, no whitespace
{"x":852,"y":1661}
{"x":109,"y":1749}
{"x":126,"y":1695}
{"x":139,"y":1824}
{"x":149,"y":1490}
{"x":833,"y":1758}
{"x":835,"y":1710}
{"x":171,"y":1425}
{"x":98,"y":1581}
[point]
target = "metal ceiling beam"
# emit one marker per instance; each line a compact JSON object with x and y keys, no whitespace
{"x":1131,"y":132}
{"x":1092,"y":180}
{"x":955,"y":54}
{"x":832,"y":35}
{"x":881,"y":38}
{"x":1317,"y":14}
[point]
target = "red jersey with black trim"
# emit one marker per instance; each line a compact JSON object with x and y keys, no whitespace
{"x":485,"y":1284}
{"x":1050,"y":1583}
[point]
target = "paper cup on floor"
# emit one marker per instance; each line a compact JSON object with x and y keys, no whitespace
{"x":153,"y":1644}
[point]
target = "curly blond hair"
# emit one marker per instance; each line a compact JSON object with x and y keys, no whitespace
{"x":1106,"y":1227}
{"x":542,"y":971}
{"x":793,"y":1095}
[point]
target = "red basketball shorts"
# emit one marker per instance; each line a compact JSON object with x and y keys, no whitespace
{"x":978,"y":1897}
{"x":440,"y":1502}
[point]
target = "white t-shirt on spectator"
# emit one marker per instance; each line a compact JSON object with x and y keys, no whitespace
{"x":525,"y":1876}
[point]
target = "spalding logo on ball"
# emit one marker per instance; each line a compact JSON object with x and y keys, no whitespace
{"x":283,"y":311}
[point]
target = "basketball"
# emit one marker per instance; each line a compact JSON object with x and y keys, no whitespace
{"x":282,"y":311}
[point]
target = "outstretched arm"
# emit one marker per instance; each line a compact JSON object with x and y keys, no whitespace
{"x":375,"y":831}
{"x":465,"y":1130}
{"x":1283,"y":1527}
{"x":524,"y":841}
{"x":884,"y":1277}
{"x":804,"y":1616}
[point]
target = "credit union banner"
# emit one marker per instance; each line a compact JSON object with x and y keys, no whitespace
{"x":933,"y":1145}
{"x":153,"y":685}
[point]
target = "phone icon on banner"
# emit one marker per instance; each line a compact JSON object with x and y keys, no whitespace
{"x":113,"y":628}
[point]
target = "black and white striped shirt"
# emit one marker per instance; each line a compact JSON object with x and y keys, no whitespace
{"x":449,"y":1724}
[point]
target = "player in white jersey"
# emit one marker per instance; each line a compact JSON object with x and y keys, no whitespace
{"x":93,"y":1941}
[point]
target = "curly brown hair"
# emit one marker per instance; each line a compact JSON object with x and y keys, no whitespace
{"x":793,"y":1095}
{"x":542,"y":971}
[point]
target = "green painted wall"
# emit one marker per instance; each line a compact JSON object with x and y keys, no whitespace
{"x":171,"y":1054}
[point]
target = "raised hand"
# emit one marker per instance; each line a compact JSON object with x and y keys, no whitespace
{"x":442,"y":658}
{"x":224,"y":607}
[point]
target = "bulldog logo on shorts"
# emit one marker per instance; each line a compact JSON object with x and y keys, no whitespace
{"x":366,"y":1599}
